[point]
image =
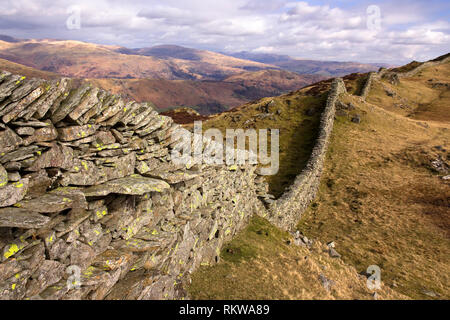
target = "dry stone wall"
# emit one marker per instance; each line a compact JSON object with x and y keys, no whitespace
{"x":286,"y":211}
{"x":91,"y":205}
{"x":367,"y":85}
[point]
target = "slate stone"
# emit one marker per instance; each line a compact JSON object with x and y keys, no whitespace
{"x":70,"y":103}
{"x":76,"y":132}
{"x":111,"y":111}
{"x":19,"y":154}
{"x":9,"y":141}
{"x":88,"y":102}
{"x":76,"y":194}
{"x":12,"y":177}
{"x":3,"y":177}
{"x":171,"y":177}
{"x":8,"y":85}
{"x":82,"y":173}
{"x":57,"y":92}
{"x":22,"y":104}
{"x":49,"y":272}
{"x":132,"y":185}
{"x":43,"y":134}
{"x":25,"y":131}
{"x":20,"y":218}
{"x":106,"y":99}
{"x":46,"y":203}
{"x":58,"y":156}
{"x":13,"y":192}
{"x":38,"y":183}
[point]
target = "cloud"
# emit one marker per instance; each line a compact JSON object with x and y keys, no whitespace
{"x":308,"y":29}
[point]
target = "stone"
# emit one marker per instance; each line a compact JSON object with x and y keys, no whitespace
{"x":9,"y":83}
{"x":70,"y":103}
{"x":48,"y":133}
{"x":75,"y":217}
{"x":13,"y":177}
{"x":326,"y":283}
{"x":333,"y":253}
{"x":19,"y":154}
{"x":38,"y":182}
{"x":111,"y":111}
{"x":356,"y":118}
{"x":49,"y":272}
{"x":3,"y":177}
{"x":20,"y":218}
{"x":24,"y":103}
{"x":76,"y":132}
{"x":106,"y":99}
{"x":9,"y":141}
{"x":88,"y":102}
{"x":73,"y":193}
{"x":132,"y":185}
{"x":171,"y":177}
{"x":81,"y":254}
{"x":13,"y":192}
{"x":430,"y":293}
{"x":25,"y":131}
{"x":58,"y":156}
{"x":46,"y":203}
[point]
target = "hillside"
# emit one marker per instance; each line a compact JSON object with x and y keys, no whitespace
{"x":88,"y":60}
{"x":26,"y":71}
{"x":382,"y":200}
{"x":305,"y":66}
{"x":206,"y":96}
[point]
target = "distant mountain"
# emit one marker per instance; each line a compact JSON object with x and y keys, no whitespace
{"x":301,"y":66}
{"x":88,"y":60}
{"x":209,"y":96}
{"x":206,"y":96}
{"x":261,"y":57}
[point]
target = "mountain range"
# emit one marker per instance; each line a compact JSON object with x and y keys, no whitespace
{"x":171,"y":76}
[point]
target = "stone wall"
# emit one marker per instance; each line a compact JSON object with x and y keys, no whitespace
{"x":91,"y":206}
{"x":366,"y":88}
{"x":286,"y":211}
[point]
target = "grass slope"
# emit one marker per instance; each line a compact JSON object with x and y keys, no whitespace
{"x":380,"y":201}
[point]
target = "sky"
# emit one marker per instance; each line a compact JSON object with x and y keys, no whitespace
{"x":393,"y":32}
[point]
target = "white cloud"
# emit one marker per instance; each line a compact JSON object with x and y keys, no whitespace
{"x":276,"y":26}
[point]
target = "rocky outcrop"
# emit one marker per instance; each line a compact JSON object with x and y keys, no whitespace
{"x":286,"y":211}
{"x":394,"y":77}
{"x":91,"y":205}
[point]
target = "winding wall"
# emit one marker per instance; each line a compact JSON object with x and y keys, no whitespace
{"x":286,"y":211}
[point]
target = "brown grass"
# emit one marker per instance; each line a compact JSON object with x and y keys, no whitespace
{"x":379,"y":200}
{"x":382,"y":203}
